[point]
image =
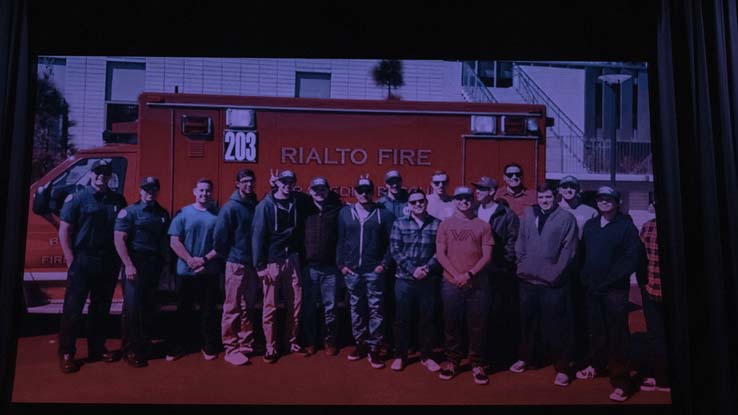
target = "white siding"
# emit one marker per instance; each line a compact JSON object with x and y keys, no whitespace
{"x":565,"y":86}
{"x":350,"y":79}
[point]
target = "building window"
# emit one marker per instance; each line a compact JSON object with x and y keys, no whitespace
{"x":312,"y":85}
{"x":123,"y":83}
{"x":495,"y":74}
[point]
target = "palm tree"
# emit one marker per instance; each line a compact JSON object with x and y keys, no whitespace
{"x":388,"y":72}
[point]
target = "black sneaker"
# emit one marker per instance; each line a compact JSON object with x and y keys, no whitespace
{"x":375,"y":359}
{"x":448,"y":371}
{"x":271,"y":357}
{"x":359,"y":352}
{"x":134,"y":360}
{"x":67,"y":364}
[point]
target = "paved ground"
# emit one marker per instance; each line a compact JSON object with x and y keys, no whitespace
{"x":292,"y":380}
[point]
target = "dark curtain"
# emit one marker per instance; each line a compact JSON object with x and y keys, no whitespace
{"x":15,"y":146}
{"x":697,"y":182}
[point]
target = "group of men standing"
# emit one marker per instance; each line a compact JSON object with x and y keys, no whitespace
{"x":506,"y":266}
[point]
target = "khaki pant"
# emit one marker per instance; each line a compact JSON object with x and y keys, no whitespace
{"x":237,"y":329}
{"x":287,"y":284}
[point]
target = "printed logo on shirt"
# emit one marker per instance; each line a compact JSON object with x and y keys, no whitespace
{"x":463,"y":235}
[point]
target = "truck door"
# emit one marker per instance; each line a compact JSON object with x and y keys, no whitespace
{"x":196,"y":153}
{"x":488,"y":156}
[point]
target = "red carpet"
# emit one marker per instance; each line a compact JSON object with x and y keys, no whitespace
{"x":292,"y":380}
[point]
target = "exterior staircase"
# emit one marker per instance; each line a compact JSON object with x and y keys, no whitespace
{"x":565,"y":141}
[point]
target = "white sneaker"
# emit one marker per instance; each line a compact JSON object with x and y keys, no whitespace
{"x":587,"y":373}
{"x":397,"y":365}
{"x":236,"y":358}
{"x":648,"y":385}
{"x":618,"y":395}
{"x":518,"y":367}
{"x":431,"y":365}
{"x":207,"y":356}
{"x":561,"y":379}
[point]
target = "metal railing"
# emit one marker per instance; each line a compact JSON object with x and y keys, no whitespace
{"x":563,"y":126}
{"x":633,"y":157}
{"x":473,"y":87}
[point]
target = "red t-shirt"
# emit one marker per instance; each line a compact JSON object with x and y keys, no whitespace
{"x":462,"y":240}
{"x":519,"y":201}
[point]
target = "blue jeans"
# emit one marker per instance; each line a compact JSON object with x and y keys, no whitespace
{"x":365,"y":295}
{"x":466,"y":307}
{"x":412,"y":295}
{"x":319,"y":286}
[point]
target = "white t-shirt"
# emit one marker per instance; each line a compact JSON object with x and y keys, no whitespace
{"x":486,"y":213}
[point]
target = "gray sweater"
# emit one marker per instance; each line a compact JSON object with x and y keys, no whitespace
{"x":544,"y":258}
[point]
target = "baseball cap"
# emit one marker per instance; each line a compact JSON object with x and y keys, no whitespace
{"x":439,"y":176}
{"x":101,"y":166}
{"x":608,"y":191}
{"x":364,"y":183}
{"x":319,"y":181}
{"x":392,"y":175}
{"x":569,"y":180}
{"x":462,"y":190}
{"x":150,"y":183}
{"x":287,"y":175}
{"x":486,"y":181}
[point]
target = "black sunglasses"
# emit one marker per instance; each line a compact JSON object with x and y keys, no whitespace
{"x":567,"y":186}
{"x":514,"y":174}
{"x":439,"y":183}
{"x":415,"y":202}
{"x":364,"y":191}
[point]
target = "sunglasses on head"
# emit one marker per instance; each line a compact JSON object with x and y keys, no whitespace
{"x":415,"y":202}
{"x":466,"y":198}
{"x":514,"y":174}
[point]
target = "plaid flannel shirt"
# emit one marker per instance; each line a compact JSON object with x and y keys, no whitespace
{"x":413,"y":246}
{"x":649,"y":238}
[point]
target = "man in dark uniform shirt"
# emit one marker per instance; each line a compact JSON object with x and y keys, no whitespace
{"x":86,"y":236}
{"x":141,"y":241}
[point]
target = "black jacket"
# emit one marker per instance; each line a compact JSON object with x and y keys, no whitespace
{"x":363,"y":246}
{"x":321,"y":231}
{"x":233,"y":229}
{"x":609,"y":255}
{"x":505,"y":225}
{"x":277,"y":231}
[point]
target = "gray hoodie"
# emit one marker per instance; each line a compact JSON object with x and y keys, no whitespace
{"x":545,"y":257}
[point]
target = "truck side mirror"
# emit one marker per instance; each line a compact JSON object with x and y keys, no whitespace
{"x":41,"y":200}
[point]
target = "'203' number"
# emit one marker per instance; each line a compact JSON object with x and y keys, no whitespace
{"x":240,"y":146}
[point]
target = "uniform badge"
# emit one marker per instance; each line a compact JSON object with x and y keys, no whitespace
{"x":122,"y":214}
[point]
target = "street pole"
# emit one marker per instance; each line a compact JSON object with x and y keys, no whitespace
{"x":610,"y":80}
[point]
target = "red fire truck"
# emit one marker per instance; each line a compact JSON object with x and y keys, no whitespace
{"x":181,"y":137}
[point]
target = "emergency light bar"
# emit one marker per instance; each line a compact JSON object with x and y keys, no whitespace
{"x":510,"y":125}
{"x":240,"y":118}
{"x":484,"y":124}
